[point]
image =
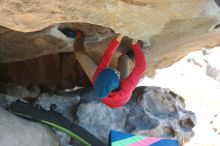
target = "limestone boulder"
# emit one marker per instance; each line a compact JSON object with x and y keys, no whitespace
{"x":170,"y":28}
{"x":152,"y":111}
{"x":17,"y":90}
{"x":15,"y":131}
{"x":64,"y":104}
{"x":136,"y":18}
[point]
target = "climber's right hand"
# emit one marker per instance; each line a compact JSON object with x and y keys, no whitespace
{"x":134,"y":41}
{"x":119,"y":38}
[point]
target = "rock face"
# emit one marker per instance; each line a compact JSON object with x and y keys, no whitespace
{"x":16,"y":90}
{"x":16,"y":132}
{"x":196,"y":78}
{"x":64,"y":104}
{"x":105,"y":120}
{"x":136,"y":18}
{"x":58,"y":70}
{"x":167,"y":107}
{"x":58,"y":66}
{"x":170,"y":29}
{"x":152,"y":112}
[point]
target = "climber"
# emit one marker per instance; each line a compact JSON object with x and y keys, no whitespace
{"x":106,"y":81}
{"x":113,"y":90}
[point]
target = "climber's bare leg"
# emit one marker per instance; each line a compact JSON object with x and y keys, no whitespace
{"x":87,"y":64}
{"x":123,"y":66}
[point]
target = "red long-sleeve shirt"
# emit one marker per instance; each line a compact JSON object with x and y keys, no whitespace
{"x":122,"y":96}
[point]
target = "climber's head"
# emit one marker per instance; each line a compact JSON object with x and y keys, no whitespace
{"x":107,"y":81}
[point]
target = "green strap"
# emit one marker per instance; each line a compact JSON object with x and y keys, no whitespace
{"x":70,"y":133}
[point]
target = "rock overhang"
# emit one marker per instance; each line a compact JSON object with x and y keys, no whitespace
{"x":170,"y":29}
